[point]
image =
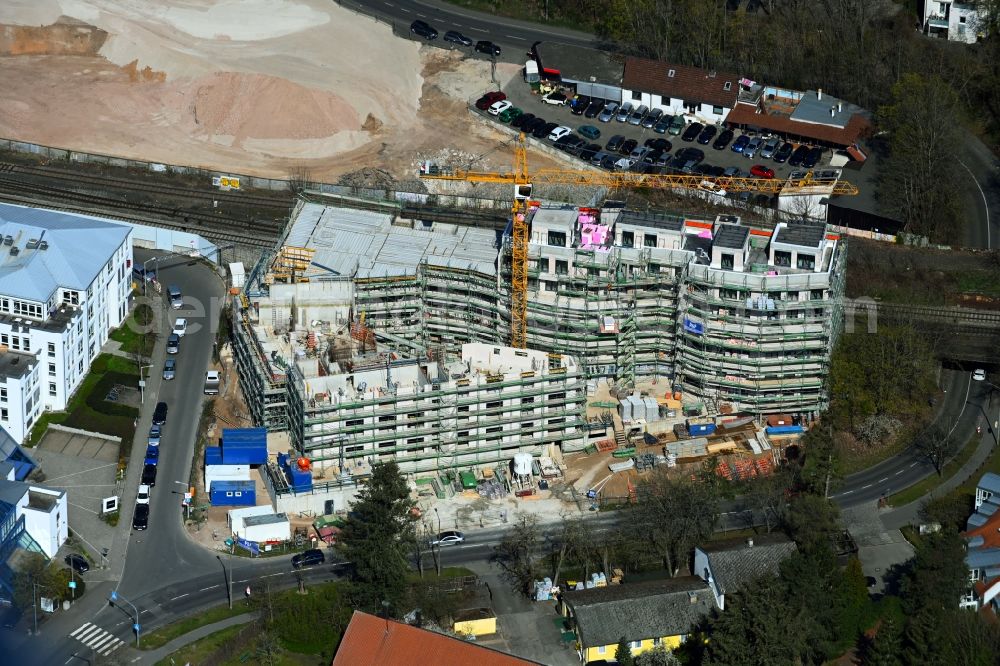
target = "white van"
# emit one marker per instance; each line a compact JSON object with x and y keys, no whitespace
{"x":176,"y":299}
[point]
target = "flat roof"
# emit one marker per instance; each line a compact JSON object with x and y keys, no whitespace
{"x":579,"y":63}
{"x":651,"y":219}
{"x":16,"y":364}
{"x":731,"y":236}
{"x":805,"y":235}
{"x":266,"y":519}
{"x":824,"y":110}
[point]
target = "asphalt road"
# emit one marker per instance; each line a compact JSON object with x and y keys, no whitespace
{"x":980,"y":169}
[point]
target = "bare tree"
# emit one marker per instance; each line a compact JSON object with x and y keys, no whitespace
{"x":517,"y":554}
{"x":673,"y":515}
{"x":936,"y":445}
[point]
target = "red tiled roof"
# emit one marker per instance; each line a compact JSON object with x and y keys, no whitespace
{"x":688,"y":83}
{"x":746,"y":114}
{"x":989,"y":531}
{"x":372,"y":641}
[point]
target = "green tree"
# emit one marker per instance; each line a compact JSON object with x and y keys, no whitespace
{"x":938,"y":575}
{"x":850,"y":603}
{"x":919,"y":181}
{"x":883,"y":646}
{"x":377,"y":538}
{"x":658,"y":656}
{"x":820,"y":468}
{"x":623,"y":653}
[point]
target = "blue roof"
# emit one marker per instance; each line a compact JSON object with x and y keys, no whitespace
{"x":982,"y":558}
{"x":213,"y":455}
{"x":244,"y":437}
{"x":78,"y":249}
{"x":220,"y":484}
{"x":975,"y":520}
{"x":989,"y":482}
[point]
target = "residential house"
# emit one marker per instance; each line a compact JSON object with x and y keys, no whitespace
{"x":953,"y":20}
{"x":703,"y":95}
{"x":727,"y":566}
{"x":810,"y":117}
{"x":32,"y":517}
{"x":645,"y":615}
{"x":374,"y":641}
{"x":982,"y":557}
{"x":65,"y":281}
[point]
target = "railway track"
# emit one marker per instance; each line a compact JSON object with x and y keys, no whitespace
{"x":227,"y":230}
{"x":115,"y":183}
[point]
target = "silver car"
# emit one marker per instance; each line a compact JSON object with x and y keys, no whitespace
{"x":610,"y":109}
{"x":624,"y":111}
{"x":638,"y":115}
{"x":169,"y":369}
{"x":751,"y":148}
{"x":652,"y":118}
{"x":769,"y":148}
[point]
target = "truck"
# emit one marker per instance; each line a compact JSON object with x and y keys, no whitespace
{"x":531,"y":72}
{"x":212,"y":382}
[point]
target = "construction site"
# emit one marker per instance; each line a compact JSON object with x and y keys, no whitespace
{"x":649,"y":339}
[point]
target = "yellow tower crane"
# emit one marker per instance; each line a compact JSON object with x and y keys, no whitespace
{"x":523,"y":181}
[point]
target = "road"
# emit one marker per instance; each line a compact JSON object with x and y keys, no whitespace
{"x":980,"y":169}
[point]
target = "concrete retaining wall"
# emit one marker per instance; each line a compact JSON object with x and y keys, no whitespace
{"x":86,"y":433}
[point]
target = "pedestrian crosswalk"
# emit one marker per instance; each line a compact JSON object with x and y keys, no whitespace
{"x":99,"y":640}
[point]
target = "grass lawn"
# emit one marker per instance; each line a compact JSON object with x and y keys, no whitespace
{"x":446,"y":572}
{"x":200,"y":650}
{"x":921,"y":488}
{"x":88,"y":410}
{"x":167,"y":633}
{"x":128,"y":333}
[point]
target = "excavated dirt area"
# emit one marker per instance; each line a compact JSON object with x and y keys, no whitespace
{"x":263,"y":87}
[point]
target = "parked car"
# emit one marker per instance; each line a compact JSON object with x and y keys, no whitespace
{"x":535,"y":123}
{"x":587,"y":154}
{"x":783,"y":153}
{"x":148,"y":475}
{"x":79,"y":563}
{"x":160,"y":413}
{"x":692,"y":132}
{"x":663,"y":124}
{"x":750,"y":151}
{"x":638,"y":153}
{"x":594,"y":108}
{"x":599,"y":157}
{"x":715,"y":171}
{"x":761,"y":171}
{"x":154,"y":435}
{"x":979,"y":374}
{"x":769,"y":148}
{"x":180,"y":327}
{"x":142,"y":497}
{"x":624,"y":111}
{"x":813,"y":157}
{"x":723,"y":140}
{"x":169,"y":369}
{"x":496,"y":108}
{"x":140,"y":518}
{"x":628,"y":146}
{"x":732,"y":172}
{"x":608,"y":113}
{"x":657,"y":143}
{"x":590,"y":132}
{"x":615,"y":143}
{"x":422,"y":29}
{"x":522,"y":120}
{"x":570,"y":143}
{"x":638,"y":115}
{"x":685,"y":155}
{"x":559,"y":132}
{"x":308,"y":558}
{"x":740,"y":144}
{"x":676,"y":125}
{"x":556,"y":98}
{"x":510,"y":114}
{"x":579,"y":104}
{"x":608,"y":162}
{"x":488,"y":47}
{"x":707,"y":134}
{"x":652,"y":118}
{"x":456,"y":37}
{"x":544,"y":130}
{"x":448,"y":538}
{"x":152,"y":455}
{"x":798,"y":155}
{"x":489,"y":98}
{"x":624,"y":164}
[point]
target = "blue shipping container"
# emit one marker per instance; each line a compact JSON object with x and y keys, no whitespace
{"x":244,"y":446}
{"x":699,"y":429}
{"x":299,"y":480}
{"x":213,"y":455}
{"x":233,"y":493}
{"x":783,"y":430}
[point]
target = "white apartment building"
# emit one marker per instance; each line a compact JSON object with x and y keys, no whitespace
{"x":31,"y":516}
{"x":64,"y":285}
{"x":953,"y":20}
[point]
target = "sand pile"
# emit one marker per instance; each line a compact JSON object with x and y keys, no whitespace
{"x":266,"y":107}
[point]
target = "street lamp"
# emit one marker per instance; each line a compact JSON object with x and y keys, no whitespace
{"x":229,"y":577}
{"x":135,"y":627}
{"x":142,"y":383}
{"x":145,"y":272}
{"x":187,"y":506}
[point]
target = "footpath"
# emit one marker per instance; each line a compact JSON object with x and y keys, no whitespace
{"x":153,"y":656}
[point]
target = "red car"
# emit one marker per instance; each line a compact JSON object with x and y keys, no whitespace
{"x":486,"y":100}
{"x":761,"y":171}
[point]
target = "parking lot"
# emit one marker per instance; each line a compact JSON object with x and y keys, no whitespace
{"x":721,"y":157}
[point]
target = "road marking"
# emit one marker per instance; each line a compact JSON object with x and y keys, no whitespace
{"x":479,"y":29}
{"x":421,"y":15}
{"x":389,"y":4}
{"x":180,"y":596}
{"x":913,"y":464}
{"x":986,"y":205}
{"x":79,"y":629}
{"x":403,"y":9}
{"x":868,"y":486}
{"x":515,"y":37}
{"x":210,"y":587}
{"x":898,"y":472}
{"x":280,"y":573}
{"x":456,"y":25}
{"x":885,"y":479}
{"x":97,"y":639}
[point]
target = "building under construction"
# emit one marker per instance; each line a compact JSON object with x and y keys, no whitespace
{"x":742,"y":319}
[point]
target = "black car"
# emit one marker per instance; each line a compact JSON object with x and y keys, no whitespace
{"x":628,"y":146}
{"x":783,"y":153}
{"x":716,"y":172}
{"x":587,"y":154}
{"x":707,"y":134}
{"x":615,"y":143}
{"x":812,"y":157}
{"x":535,"y":123}
{"x":594,"y":108}
{"x":160,"y":413}
{"x":140,"y":519}
{"x":723,"y":140}
{"x":692,"y":132}
{"x":522,"y":120}
{"x":798,"y":155}
{"x":78,"y":562}
{"x":422,"y":29}
{"x":542,"y":131}
{"x":609,"y":163}
{"x":308,"y":558}
{"x":489,"y":48}
{"x":456,"y":37}
{"x":148,"y":476}
{"x":686,"y":155}
{"x":579,"y":105}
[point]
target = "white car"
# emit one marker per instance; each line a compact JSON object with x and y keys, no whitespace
{"x":979,"y":375}
{"x":448,"y":538}
{"x":496,"y":108}
{"x":559,"y":133}
{"x":180,"y":327}
{"x":556,"y":98}
{"x":143,"y":496}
